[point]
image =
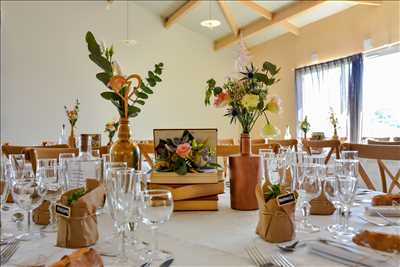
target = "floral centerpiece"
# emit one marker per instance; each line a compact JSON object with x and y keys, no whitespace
{"x":72,"y":116}
{"x":305,"y":126}
{"x":183,"y":155}
{"x":111,"y":128}
{"x":334,"y":121}
{"x":126,"y":96}
{"x":246,"y":99}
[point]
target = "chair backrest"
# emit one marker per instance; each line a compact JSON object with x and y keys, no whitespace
{"x":333,"y":145}
{"x":390,"y":143}
{"x":8,"y":149}
{"x":228,"y":141}
{"x":378,"y":153}
{"x":396,"y":139}
{"x":291,"y":143}
{"x":255,"y":149}
{"x":34,"y":154}
{"x":147,"y":149}
{"x":258,"y":141}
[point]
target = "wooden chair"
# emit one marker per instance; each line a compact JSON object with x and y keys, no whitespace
{"x":333,"y":145}
{"x":291,"y":143}
{"x":8,"y":149}
{"x":378,"y":153}
{"x":34,"y":154}
{"x":255,"y":149}
{"x":229,"y":141}
{"x":389,"y":143}
{"x":147,"y":150}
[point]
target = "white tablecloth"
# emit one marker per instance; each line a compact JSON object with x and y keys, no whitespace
{"x":200,"y":238}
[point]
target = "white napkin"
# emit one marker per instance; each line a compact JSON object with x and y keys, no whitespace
{"x":352,"y":255}
{"x":389,"y":211}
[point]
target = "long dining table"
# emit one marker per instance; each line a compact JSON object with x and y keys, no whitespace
{"x":202,"y":238}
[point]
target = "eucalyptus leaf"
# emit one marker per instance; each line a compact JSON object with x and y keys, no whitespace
{"x":109,"y":95}
{"x":140,"y":102}
{"x":104,"y":77}
{"x":142,"y":95}
{"x":101,"y":62}
{"x":93,"y":46}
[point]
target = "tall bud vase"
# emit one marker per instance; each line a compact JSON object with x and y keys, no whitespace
{"x":124,"y":149}
{"x":71,"y":138}
{"x":244,"y":176}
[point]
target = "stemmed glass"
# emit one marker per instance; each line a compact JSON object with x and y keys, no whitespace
{"x":18,"y":164}
{"x":349,"y":154}
{"x":28,"y":193}
{"x":310,"y":188}
{"x":331,"y":192}
{"x":156,"y":208}
{"x":48,"y":173}
{"x":274,"y":169}
{"x":5,"y":171}
{"x":63,"y":161}
{"x":124,"y":194}
{"x":347,"y":186}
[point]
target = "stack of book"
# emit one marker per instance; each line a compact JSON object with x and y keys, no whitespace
{"x":191,"y":192}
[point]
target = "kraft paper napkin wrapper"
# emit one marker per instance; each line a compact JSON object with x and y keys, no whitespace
{"x":41,"y":215}
{"x":80,"y":229}
{"x":321,"y":205}
{"x":9,"y":197}
{"x":275,"y":224}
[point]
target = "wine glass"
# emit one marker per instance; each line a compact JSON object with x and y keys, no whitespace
{"x":347,"y":186}
{"x":28,"y":193}
{"x":54,"y":184}
{"x":156,"y":208}
{"x":63,"y":161}
{"x":310,"y":188}
{"x":5,"y":178}
{"x":347,"y":167}
{"x":275,"y":169}
{"x":96,"y":153}
{"x":349,"y":154}
{"x":331,"y":192}
{"x":18,"y":164}
{"x":124,"y":194}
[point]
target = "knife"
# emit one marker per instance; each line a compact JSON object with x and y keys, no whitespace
{"x":167,"y":263}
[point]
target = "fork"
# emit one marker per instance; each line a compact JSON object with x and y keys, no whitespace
{"x":282,"y":260}
{"x":8,"y":251}
{"x":256,"y":256}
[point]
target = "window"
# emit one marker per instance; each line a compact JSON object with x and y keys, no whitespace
{"x":381,"y":93}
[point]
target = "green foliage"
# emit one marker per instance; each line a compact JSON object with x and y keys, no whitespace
{"x":273,"y":192}
{"x":75,"y":196}
{"x":103,"y":58}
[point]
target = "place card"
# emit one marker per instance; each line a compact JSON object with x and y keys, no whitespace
{"x":63,"y":210}
{"x":285,"y":199}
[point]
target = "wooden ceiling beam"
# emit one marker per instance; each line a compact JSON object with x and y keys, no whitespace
{"x":261,"y":24}
{"x":180,"y":12}
{"x":257,"y":8}
{"x":291,"y":28}
{"x":229,"y":17}
{"x":367,"y":3}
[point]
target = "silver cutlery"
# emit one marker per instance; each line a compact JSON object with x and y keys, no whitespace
{"x":8,"y":251}
{"x":393,"y":223}
{"x":375,"y":223}
{"x":167,"y":263}
{"x":291,"y":247}
{"x":258,"y":258}
{"x":282,"y":260}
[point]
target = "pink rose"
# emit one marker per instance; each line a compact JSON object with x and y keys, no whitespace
{"x":222,"y":99}
{"x":183,"y":150}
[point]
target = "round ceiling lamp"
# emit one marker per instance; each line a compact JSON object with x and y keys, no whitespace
{"x":210,"y":22}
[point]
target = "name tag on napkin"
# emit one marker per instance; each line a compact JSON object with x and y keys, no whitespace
{"x":286,"y":199}
{"x":63,"y":210}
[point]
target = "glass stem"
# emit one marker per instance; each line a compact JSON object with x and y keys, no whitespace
{"x":346,"y":217}
{"x":28,"y":229}
{"x":123,"y":239}
{"x":306,"y":212}
{"x":154,"y":232}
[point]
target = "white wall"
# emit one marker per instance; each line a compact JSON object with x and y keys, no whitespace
{"x":45,"y":65}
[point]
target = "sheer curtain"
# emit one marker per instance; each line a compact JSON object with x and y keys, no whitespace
{"x":335,"y":84}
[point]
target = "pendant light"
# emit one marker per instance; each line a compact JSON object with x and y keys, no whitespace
{"x":210,"y":23}
{"x":127,"y":41}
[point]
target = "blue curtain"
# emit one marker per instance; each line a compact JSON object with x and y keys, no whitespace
{"x":336,"y":83}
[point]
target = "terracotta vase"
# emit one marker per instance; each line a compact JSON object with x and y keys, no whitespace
{"x":244,"y":176}
{"x":124,"y":149}
{"x":71,"y":138}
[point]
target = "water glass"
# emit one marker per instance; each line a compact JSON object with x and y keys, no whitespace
{"x":310,"y":188}
{"x":28,"y":193}
{"x":63,"y":161}
{"x":347,"y":167}
{"x":124,"y":199}
{"x":54,"y":184}
{"x":18,"y":164}
{"x":331,"y":192}
{"x":5,"y":178}
{"x":347,"y":187}
{"x":156,"y":208}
